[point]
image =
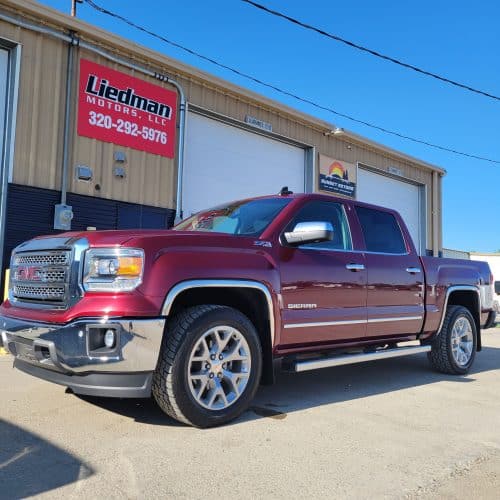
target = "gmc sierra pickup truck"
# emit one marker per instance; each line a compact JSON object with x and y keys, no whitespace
{"x":196,"y":315}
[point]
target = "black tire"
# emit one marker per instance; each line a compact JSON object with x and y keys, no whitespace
{"x":170,"y":381}
{"x":441,"y":355}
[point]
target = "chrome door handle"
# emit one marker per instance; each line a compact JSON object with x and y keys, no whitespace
{"x":413,"y":270}
{"x":355,"y":267}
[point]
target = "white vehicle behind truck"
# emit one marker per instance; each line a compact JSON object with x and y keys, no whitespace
{"x":493,"y":259}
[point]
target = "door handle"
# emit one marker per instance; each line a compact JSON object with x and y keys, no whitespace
{"x":413,"y":270}
{"x":355,"y":267}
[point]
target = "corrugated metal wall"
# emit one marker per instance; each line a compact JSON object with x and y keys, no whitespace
{"x":150,"y":179}
{"x":30,"y":213}
{"x":38,"y":152}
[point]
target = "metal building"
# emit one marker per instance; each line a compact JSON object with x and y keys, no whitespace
{"x":98,"y":131}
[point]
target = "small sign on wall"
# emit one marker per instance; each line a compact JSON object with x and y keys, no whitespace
{"x":121,"y":109}
{"x":337,"y":177}
{"x":255,"y":122}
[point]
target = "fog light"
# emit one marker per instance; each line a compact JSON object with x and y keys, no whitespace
{"x":109,"y":339}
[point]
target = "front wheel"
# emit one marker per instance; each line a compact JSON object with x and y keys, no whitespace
{"x":454,"y":348}
{"x":209,"y":366}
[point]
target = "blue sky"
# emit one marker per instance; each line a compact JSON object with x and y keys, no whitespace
{"x":457,"y":39}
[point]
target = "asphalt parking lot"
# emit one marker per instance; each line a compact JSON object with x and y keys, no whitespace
{"x":391,"y":429}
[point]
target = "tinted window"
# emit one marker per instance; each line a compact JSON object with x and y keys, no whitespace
{"x":245,"y":218}
{"x":325,"y":211}
{"x":381,"y":231}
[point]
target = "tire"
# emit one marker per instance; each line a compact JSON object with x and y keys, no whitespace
{"x":190,"y":385}
{"x":454,"y":348}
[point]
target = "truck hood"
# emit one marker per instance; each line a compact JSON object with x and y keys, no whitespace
{"x":150,"y":238}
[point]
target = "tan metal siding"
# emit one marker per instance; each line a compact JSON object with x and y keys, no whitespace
{"x":37,"y":156}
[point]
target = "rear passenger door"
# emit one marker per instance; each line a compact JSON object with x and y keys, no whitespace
{"x":395,"y":298}
{"x":323,"y":284}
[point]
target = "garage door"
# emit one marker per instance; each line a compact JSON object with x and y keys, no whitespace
{"x":225,"y":163}
{"x":4,"y":61}
{"x":398,"y":195}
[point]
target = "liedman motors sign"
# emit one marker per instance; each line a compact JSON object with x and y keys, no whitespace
{"x":118,"y":108}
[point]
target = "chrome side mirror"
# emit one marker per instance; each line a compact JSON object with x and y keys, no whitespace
{"x":309,"y":232}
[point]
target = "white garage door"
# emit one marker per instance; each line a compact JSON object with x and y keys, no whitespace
{"x":4,"y":61}
{"x":224,"y":163}
{"x":397,"y":195}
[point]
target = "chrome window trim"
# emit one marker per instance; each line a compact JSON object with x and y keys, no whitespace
{"x":458,"y":288}
{"x":186,"y":285}
{"x":386,"y":253}
{"x":351,"y":322}
{"x":353,"y":251}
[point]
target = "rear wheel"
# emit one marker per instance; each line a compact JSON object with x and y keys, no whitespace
{"x":454,"y":348}
{"x":209,"y":366}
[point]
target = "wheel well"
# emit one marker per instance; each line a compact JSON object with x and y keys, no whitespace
{"x":249,"y":301}
{"x":469,"y":300}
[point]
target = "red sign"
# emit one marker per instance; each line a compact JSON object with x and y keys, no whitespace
{"x":118,"y":108}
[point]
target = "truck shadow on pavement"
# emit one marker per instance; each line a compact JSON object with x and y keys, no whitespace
{"x":30,"y":465}
{"x":298,"y":391}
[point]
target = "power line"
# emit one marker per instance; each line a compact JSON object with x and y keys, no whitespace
{"x":370,"y":51}
{"x":285,"y":92}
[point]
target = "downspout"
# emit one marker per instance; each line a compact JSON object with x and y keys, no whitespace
{"x":110,"y":57}
{"x":67,"y":119}
{"x":435,"y":214}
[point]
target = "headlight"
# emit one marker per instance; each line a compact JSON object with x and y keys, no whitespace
{"x":113,"y":269}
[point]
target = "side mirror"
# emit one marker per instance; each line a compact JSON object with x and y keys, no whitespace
{"x":497,"y":287}
{"x":309,"y":232}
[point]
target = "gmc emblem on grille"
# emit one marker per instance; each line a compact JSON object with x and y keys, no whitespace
{"x":29,"y":273}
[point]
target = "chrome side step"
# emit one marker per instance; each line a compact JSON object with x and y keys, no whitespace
{"x":347,"y":359}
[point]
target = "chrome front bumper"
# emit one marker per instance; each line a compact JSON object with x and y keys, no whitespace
{"x":61,"y":354}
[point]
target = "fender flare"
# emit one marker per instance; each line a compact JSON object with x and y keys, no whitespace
{"x":177,"y":289}
{"x":463,"y":288}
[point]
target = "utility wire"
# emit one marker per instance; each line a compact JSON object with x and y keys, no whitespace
{"x":285,"y":92}
{"x":370,"y":51}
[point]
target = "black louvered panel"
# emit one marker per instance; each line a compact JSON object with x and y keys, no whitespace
{"x":30,"y":213}
{"x":92,"y":212}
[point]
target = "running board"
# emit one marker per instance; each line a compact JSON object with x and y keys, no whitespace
{"x":347,"y":359}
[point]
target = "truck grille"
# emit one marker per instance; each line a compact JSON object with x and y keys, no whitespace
{"x":41,"y":277}
{"x":49,"y":258}
{"x":39,"y":292}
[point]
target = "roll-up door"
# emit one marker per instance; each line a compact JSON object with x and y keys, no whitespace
{"x":4,"y":61}
{"x":225,"y":163}
{"x":405,"y":197}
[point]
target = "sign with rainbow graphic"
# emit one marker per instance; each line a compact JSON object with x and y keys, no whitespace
{"x":337,"y":177}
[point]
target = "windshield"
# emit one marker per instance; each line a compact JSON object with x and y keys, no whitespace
{"x":244,"y":218}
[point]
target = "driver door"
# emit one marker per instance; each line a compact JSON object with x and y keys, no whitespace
{"x":323,"y":284}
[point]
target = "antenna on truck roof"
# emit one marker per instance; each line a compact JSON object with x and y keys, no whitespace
{"x":285,"y":191}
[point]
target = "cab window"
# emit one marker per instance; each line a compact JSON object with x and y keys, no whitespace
{"x":325,"y":211}
{"x":381,"y":231}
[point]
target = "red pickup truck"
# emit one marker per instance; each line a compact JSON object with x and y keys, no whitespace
{"x":196,"y":315}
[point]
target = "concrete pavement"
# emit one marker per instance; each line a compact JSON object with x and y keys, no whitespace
{"x":386,"y":429}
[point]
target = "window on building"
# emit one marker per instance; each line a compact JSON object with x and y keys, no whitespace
{"x":381,"y":231}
